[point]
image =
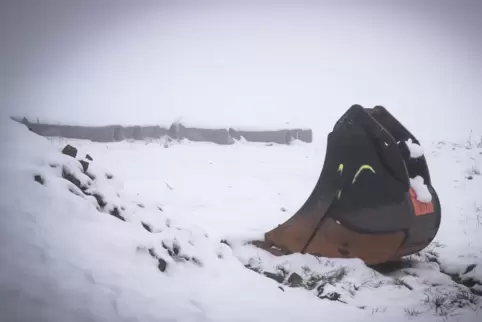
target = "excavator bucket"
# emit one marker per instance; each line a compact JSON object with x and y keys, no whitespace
{"x":363,"y":205}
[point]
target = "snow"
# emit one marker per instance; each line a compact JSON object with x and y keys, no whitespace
{"x":421,"y":190}
{"x":64,"y":258}
{"x":416,"y":151}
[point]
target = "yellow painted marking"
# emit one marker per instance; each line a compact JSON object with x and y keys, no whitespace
{"x":340,"y":168}
{"x":363,"y":167}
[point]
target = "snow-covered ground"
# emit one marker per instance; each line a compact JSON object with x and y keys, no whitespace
{"x":150,"y":233}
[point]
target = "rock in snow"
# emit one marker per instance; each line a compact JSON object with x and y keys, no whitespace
{"x":70,"y":151}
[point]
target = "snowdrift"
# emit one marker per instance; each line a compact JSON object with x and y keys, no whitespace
{"x":119,"y":236}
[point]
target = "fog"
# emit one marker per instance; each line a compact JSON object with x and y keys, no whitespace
{"x":251,"y":64}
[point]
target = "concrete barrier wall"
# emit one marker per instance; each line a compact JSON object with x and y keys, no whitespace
{"x":117,"y":133}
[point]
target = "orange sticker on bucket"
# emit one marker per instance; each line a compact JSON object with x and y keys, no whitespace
{"x":421,"y":208}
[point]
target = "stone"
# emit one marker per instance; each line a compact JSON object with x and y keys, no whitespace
{"x":146,"y":226}
{"x":162,"y":265}
{"x":39,"y":179}
{"x":295,"y":280}
{"x":100,"y":200}
{"x":85,"y":165}
{"x":196,"y":261}
{"x":70,"y":151}
{"x":278,"y":278}
{"x":470,"y":268}
{"x":116,"y":213}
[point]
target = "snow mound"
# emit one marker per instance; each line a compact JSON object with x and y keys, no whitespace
{"x":78,"y":245}
{"x":416,"y":151}
{"x":421,"y":190}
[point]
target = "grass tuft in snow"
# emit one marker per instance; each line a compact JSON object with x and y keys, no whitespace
{"x":401,"y":282}
{"x":411,"y":312}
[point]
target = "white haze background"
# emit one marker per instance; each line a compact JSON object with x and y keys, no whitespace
{"x":257,"y":64}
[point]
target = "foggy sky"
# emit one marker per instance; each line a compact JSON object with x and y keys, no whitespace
{"x":263,"y":63}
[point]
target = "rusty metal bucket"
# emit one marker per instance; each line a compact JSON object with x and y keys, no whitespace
{"x":362,"y":205}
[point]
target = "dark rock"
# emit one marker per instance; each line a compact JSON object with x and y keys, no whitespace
{"x":320,"y":289}
{"x":146,"y":227}
{"x":277,"y":277}
{"x":295,"y":280}
{"x":39,"y":179}
{"x":162,"y":265}
{"x":196,"y":261}
{"x":100,"y":200}
{"x":152,"y":253}
{"x":333,"y":296}
{"x":281,"y":288}
{"x":160,"y":208}
{"x":116,"y":213}
{"x":470,"y":268}
{"x":88,"y":157}
{"x":224,"y":241}
{"x":109,"y":176}
{"x":170,"y":252}
{"x":176,"y":248}
{"x":70,"y":151}
{"x":470,"y":177}
{"x":254,"y":269}
{"x":67,"y":175}
{"x":85,"y":165}
{"x":140,"y":205}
